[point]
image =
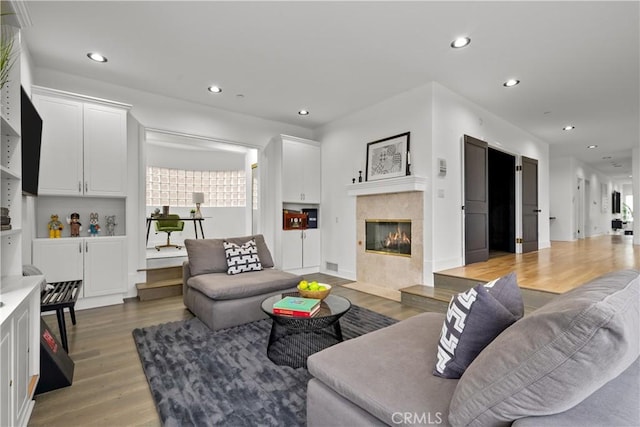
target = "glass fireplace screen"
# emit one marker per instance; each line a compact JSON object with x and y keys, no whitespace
{"x":388,"y":236}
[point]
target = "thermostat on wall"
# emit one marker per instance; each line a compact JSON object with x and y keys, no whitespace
{"x":442,"y":165}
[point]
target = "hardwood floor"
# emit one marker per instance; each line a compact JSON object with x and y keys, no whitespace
{"x":560,"y":268}
{"x":109,"y":387}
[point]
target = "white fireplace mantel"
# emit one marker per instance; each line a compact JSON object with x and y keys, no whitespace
{"x":392,"y":185}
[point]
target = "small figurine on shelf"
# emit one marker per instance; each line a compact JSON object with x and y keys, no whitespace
{"x":94,"y":227}
{"x":55,"y":227}
{"x":111,"y":224}
{"x":74,"y":224}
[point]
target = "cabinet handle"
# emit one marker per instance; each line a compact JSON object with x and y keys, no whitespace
{"x":86,"y":186}
{"x":79,"y":186}
{"x":80,"y":247}
{"x":10,"y":383}
{"x":86,"y":246}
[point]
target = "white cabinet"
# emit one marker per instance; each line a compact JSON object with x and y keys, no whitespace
{"x":84,"y":145}
{"x":300,"y":172}
{"x":6,"y":381}
{"x":291,"y":179}
{"x":19,"y":349}
{"x":99,"y":262}
{"x":300,"y":249}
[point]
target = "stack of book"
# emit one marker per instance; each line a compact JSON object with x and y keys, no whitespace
{"x":5,"y":220}
{"x":296,"y":306}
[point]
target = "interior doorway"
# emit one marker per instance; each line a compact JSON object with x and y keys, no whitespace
{"x":502,"y":203}
{"x":489,"y":201}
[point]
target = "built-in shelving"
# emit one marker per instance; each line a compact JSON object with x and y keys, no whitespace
{"x":6,"y":173}
{"x":7,"y":233}
{"x":7,"y":128}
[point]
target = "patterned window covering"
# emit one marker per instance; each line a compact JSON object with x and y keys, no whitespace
{"x":242,"y":258}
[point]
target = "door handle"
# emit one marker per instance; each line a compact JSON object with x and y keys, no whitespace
{"x":537,"y":210}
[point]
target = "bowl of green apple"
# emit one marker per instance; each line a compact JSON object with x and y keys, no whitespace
{"x":313,"y":289}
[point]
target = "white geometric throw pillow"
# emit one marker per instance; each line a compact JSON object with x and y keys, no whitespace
{"x":474,"y":319}
{"x":242,"y":258}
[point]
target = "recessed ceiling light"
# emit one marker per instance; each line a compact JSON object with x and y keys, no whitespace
{"x":511,"y":83}
{"x":96,"y":57}
{"x":215,"y":89}
{"x":591,"y":147}
{"x":303,"y":112}
{"x":460,"y":42}
{"x":568,"y":127}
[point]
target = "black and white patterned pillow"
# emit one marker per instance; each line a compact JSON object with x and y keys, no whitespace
{"x":242,"y":258}
{"x":474,"y":319}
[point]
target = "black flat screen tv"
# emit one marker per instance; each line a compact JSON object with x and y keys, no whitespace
{"x":31,"y":134}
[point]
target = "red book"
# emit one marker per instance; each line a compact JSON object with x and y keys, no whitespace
{"x":296,"y":313}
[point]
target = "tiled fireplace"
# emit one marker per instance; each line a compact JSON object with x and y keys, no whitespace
{"x":392,"y":255}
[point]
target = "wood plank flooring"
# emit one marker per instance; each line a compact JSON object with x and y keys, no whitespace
{"x":109,"y":387}
{"x":560,"y":268}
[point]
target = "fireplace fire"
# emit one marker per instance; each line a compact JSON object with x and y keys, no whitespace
{"x":387,"y":236}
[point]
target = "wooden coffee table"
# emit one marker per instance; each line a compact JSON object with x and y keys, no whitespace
{"x":293,"y":339}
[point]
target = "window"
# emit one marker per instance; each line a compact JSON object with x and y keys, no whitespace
{"x":173,"y":187}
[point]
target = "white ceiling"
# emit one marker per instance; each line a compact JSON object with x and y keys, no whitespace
{"x":579,"y":62}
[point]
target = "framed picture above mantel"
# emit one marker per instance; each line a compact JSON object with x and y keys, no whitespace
{"x":388,"y":158}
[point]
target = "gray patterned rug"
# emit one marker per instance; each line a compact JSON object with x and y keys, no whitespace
{"x":203,"y":378}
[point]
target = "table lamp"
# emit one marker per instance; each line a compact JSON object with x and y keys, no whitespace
{"x":197,"y":199}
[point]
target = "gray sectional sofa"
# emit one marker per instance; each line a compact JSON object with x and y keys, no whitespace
{"x":221,"y":300}
{"x":572,"y":362}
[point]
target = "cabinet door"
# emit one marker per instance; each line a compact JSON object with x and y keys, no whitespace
{"x":291,"y":249}
{"x":6,"y":368}
{"x":311,"y":173}
{"x":292,"y":171}
{"x":105,"y":150}
{"x":300,"y":172}
{"x":311,"y":248}
{"x":59,"y":259}
{"x":21,"y":351}
{"x":61,"y":149}
{"x":105,"y":266}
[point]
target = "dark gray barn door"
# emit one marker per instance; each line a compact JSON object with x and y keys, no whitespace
{"x":476,"y":200}
{"x":529,"y":205}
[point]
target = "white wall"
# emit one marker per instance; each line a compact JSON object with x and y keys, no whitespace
{"x":453,"y":117}
{"x":344,"y":148}
{"x":437,"y":119}
{"x":190,"y":159}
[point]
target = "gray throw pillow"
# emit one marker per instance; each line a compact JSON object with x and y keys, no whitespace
{"x":242,"y":258}
{"x":474,"y":319}
{"x":554,"y":358}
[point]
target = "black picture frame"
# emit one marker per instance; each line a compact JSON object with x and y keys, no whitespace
{"x":388,"y":158}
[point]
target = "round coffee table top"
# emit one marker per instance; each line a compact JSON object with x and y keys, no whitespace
{"x":332,"y":305}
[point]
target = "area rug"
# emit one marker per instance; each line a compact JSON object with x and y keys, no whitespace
{"x":203,"y":378}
